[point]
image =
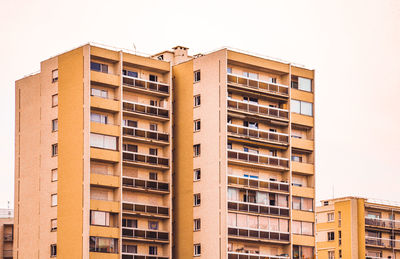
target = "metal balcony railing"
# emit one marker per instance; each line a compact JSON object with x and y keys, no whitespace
{"x":258,"y":234}
{"x":129,"y":156}
{"x":145,"y":133}
{"x":258,"y":208}
{"x":126,"y":255}
{"x":384,"y":223}
{"x":145,"y":234}
{"x":258,"y":183}
{"x":258,"y":109}
{"x":144,"y":208}
{"x":145,"y":84}
{"x":258,"y":84}
{"x":258,"y":133}
{"x":258,"y":158}
{"x":382,"y":242}
{"x":145,"y":184}
{"x":244,"y":255}
{"x":145,"y":109}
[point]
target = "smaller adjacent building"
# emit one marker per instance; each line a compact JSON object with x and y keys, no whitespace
{"x":354,"y":227}
{"x":6,"y":233}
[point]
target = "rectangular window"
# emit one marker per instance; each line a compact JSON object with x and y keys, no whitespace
{"x":103,"y":245}
{"x":153,"y":151}
{"x":54,"y":200}
{"x":196,"y":199}
{"x":99,"y":218}
{"x":99,"y":93}
{"x":129,"y":73}
{"x":197,"y":174}
{"x":54,"y":125}
{"x":54,"y":74}
{"x":153,"y":126}
{"x":303,"y":252}
{"x":54,"y":175}
{"x":153,"y":78}
{"x":331,"y":254}
{"x":331,"y":217}
{"x":339,"y":218}
{"x":196,"y":76}
{"x":229,"y":70}
{"x":272,"y":80}
{"x":340,"y":254}
{"x":153,"y":102}
{"x":130,"y":223}
{"x":300,"y":203}
{"x":99,"y":118}
{"x":103,"y":141}
{"x":196,"y":150}
{"x":53,"y":225}
{"x":130,"y":148}
{"x":98,"y":67}
{"x":250,"y":100}
{"x":130,"y":123}
{"x":250,"y":75}
{"x":340,"y":237}
{"x":131,"y":249}
{"x":297,"y":158}
{"x":54,"y":100}
{"x":304,"y":108}
{"x":331,"y":236}
{"x":53,"y":250}
{"x":304,"y":84}
{"x":196,"y":101}
{"x":152,"y":250}
{"x":197,"y":125}
{"x":197,"y":224}
{"x":153,"y":176}
{"x":153,"y":225}
{"x":54,"y":150}
{"x":197,"y":250}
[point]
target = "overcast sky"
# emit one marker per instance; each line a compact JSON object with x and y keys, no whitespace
{"x":354,"y":46}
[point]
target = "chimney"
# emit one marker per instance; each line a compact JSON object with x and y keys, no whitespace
{"x":180,"y":54}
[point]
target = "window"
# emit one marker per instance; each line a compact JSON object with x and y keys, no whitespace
{"x":153,"y":151}
{"x":99,"y":93}
{"x":54,"y":125}
{"x":250,"y":124}
{"x":100,"y":118}
{"x":300,"y":203}
{"x":302,"y":228}
{"x":250,"y":100}
{"x":153,"y":126}
{"x":53,"y":250}
{"x":197,"y":76}
{"x":153,"y":225}
{"x":103,"y":245}
{"x":54,"y":100}
{"x":130,"y":123}
{"x":331,"y":217}
{"x":250,"y":75}
{"x":197,"y":174}
{"x":129,"y":223}
{"x":340,"y":237}
{"x":153,"y":78}
{"x":153,"y":102}
{"x":130,"y":148}
{"x":331,"y":236}
{"x":197,"y":199}
{"x":339,"y":218}
{"x":152,"y":250}
{"x":197,"y":224}
{"x":304,"y":84}
{"x":54,"y":175}
{"x":196,"y":100}
{"x":103,"y":141}
{"x":340,"y":254}
{"x":99,"y":218}
{"x":54,"y":150}
{"x":54,"y":200}
{"x":132,"y":249}
{"x":197,"y":125}
{"x":301,"y":107}
{"x":272,"y":80}
{"x":196,"y":150}
{"x":297,"y":158}
{"x":54,"y":74}
{"x":303,"y":252}
{"x":331,"y":254}
{"x":98,"y":67}
{"x":250,"y":150}
{"x":229,"y":70}
{"x":197,"y":250}
{"x":53,"y":225}
{"x":129,"y":73}
{"x":153,"y":176}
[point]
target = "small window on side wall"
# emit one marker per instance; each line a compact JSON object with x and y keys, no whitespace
{"x":196,"y":101}
{"x":54,"y":175}
{"x":53,"y":250}
{"x":153,"y":78}
{"x":54,"y":74}
{"x":54,"y":100}
{"x":197,"y":76}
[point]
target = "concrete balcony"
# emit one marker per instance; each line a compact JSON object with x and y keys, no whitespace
{"x":258,"y":110}
{"x":303,"y":144}
{"x":303,"y":168}
{"x":104,"y":79}
{"x":382,"y":242}
{"x":257,"y":208}
{"x":252,"y":183}
{"x":105,"y":129}
{"x":145,"y":160}
{"x":240,"y":255}
{"x":98,"y":255}
{"x":257,"y":135}
{"x":253,"y":159}
{"x":302,"y":120}
{"x":145,"y":111}
{"x":145,"y":135}
{"x":257,"y":85}
{"x":145,"y":210}
{"x":104,"y":155}
{"x":104,"y":180}
{"x":303,"y":240}
{"x":104,"y":104}
{"x":303,"y":191}
{"x":382,"y":223}
{"x":100,"y":231}
{"x":144,"y":185}
{"x":145,"y":86}
{"x":126,"y":255}
{"x":104,"y":205}
{"x":258,"y":235}
{"x":145,"y":235}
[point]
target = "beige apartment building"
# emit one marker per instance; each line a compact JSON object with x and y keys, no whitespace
{"x":353,"y":227}
{"x":6,"y":233}
{"x":120,"y":155}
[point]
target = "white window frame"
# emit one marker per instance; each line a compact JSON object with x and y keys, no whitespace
{"x":196,"y":100}
{"x":197,"y":125}
{"x":197,"y":249}
{"x":54,"y":175}
{"x":196,"y":225}
{"x":196,"y":199}
{"x":196,"y":174}
{"x":54,"y":200}
{"x":197,"y":76}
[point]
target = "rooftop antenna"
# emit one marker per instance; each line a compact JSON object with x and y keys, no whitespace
{"x":134,"y":46}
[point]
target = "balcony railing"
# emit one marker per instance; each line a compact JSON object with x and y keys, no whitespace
{"x":384,"y":223}
{"x":374,"y":257}
{"x":129,"y":156}
{"x":258,"y":109}
{"x":382,"y":242}
{"x":145,"y":184}
{"x":126,"y":255}
{"x":258,"y":133}
{"x":258,"y":234}
{"x":145,"y":234}
{"x":130,"y":207}
{"x":258,"y":158}
{"x":144,"y":133}
{"x":258,"y":183}
{"x":145,"y":109}
{"x":240,"y":255}
{"x":8,"y":237}
{"x":145,"y":84}
{"x":258,"y":208}
{"x":7,"y":253}
{"x":258,"y":84}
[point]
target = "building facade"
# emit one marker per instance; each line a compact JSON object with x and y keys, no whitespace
{"x":166,"y":156}
{"x":352,"y":227}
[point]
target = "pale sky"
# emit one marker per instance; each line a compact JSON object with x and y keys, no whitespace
{"x":354,"y":46}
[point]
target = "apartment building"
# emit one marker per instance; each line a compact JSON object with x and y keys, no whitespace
{"x":353,"y":227}
{"x":166,"y":156}
{"x":6,"y":233}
